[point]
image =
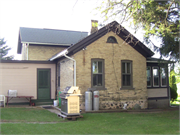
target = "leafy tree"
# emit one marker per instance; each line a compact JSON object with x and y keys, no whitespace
{"x":157,"y":18}
{"x":4,"y":50}
{"x":172,"y":84}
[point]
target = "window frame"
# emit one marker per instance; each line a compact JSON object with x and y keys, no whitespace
{"x":150,"y":76}
{"x":103,"y":74}
{"x":159,"y":65}
{"x":131,"y":74}
{"x":114,"y":40}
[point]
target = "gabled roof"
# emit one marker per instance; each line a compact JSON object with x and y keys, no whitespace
{"x":113,"y":26}
{"x":49,"y":37}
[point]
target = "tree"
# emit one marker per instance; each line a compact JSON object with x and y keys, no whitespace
{"x":172,"y":84}
{"x":4,"y":50}
{"x":157,"y":18}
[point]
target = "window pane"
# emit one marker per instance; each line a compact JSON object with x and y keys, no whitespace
{"x":164,"y":83}
{"x":43,"y":79}
{"x":99,"y":80}
{"x":123,"y":68}
{"x":155,"y":71}
{"x":128,"y":68}
{"x":156,"y":76}
{"x":156,"y":81}
{"x":163,"y":77}
{"x":95,"y":67}
{"x":99,"y":66}
{"x":124,"y":80}
{"x":148,"y":73}
{"x":94,"y":80}
{"x":128,"y":80}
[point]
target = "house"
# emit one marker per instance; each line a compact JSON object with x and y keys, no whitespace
{"x":111,"y":60}
{"x":42,"y":44}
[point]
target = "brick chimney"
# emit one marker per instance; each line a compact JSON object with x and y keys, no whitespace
{"x":94,"y":26}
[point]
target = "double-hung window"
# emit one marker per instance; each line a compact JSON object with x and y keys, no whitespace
{"x":97,"y":79}
{"x":126,"y":74}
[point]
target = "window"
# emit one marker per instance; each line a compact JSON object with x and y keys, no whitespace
{"x":126,"y":74}
{"x":155,"y":76}
{"x":111,"y":39}
{"x":148,"y":73}
{"x":97,"y":79}
{"x":163,"y":77}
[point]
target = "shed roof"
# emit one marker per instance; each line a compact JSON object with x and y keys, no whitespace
{"x":49,"y":37}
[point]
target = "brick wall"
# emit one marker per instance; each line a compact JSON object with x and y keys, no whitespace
{"x":112,"y":54}
{"x":42,"y":52}
{"x":66,"y":73}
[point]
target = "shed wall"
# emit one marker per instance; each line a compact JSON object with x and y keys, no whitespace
{"x":23,"y":78}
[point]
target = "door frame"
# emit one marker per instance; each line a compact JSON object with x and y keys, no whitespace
{"x":49,"y":80}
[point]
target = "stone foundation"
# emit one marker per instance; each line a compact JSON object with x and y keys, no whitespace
{"x":118,"y":104}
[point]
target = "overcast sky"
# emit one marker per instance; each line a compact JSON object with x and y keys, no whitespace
{"x":53,"y":14}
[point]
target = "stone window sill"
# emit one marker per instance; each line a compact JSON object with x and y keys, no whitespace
{"x":100,"y":88}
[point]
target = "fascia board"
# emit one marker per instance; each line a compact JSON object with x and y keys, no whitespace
{"x":45,"y":43}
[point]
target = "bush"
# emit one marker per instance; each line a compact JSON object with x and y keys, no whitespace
{"x":173,"y":94}
{"x":172,"y":84}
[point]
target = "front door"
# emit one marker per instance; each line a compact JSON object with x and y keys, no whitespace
{"x":43,"y":84}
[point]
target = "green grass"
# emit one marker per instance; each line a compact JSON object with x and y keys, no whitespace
{"x":166,"y":122}
{"x":28,"y":115}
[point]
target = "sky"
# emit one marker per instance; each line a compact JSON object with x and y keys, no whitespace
{"x":52,"y":14}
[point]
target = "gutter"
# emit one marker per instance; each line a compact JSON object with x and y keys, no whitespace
{"x":27,"y":45}
{"x":46,"y":43}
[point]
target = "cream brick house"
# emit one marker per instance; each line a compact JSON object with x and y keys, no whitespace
{"x":119,"y":67}
{"x":42,"y":44}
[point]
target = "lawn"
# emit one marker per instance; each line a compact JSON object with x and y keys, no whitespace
{"x":165,"y":122}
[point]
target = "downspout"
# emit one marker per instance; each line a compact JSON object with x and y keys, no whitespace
{"x":74,"y":67}
{"x":27,"y":51}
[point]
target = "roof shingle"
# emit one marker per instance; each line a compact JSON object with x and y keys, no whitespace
{"x":49,"y":36}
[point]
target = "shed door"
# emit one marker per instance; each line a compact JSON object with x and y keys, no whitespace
{"x":43,"y":84}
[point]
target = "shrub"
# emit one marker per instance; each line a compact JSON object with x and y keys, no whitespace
{"x":173,"y":94}
{"x":172,"y":84}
